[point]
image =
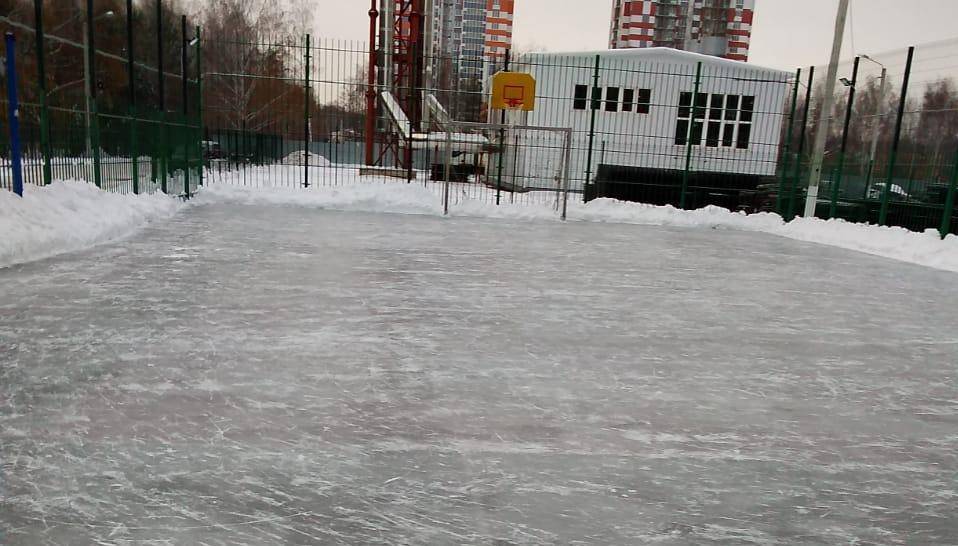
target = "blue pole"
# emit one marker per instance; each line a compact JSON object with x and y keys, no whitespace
{"x":14,"y":115}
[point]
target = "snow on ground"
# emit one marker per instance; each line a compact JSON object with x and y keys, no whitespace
{"x":395,"y":198}
{"x":70,"y":216}
{"x":927,"y":249}
{"x":378,"y":195}
{"x":299,"y":157}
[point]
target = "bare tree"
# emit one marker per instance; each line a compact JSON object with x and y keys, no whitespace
{"x":937,"y":124}
{"x":257,"y":57}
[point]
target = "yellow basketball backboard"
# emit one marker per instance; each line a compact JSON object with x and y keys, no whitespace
{"x":513,"y":91}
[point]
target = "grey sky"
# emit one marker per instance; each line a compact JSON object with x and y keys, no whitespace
{"x":787,"y":33}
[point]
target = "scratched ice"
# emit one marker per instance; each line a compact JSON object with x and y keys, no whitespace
{"x":263,"y":375}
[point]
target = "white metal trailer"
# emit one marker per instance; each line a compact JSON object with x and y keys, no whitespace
{"x":646,"y":111}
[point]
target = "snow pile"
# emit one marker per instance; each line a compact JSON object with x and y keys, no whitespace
{"x":70,"y":216}
{"x":395,"y":198}
{"x":926,"y":249}
{"x":897,"y":243}
{"x":299,"y":158}
{"x":610,"y":210}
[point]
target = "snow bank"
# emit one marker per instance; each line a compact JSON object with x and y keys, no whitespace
{"x":926,"y":249}
{"x":70,"y":216}
{"x":395,"y":198}
{"x":299,"y":158}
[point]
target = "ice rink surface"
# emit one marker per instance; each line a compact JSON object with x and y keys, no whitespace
{"x":265,"y":375}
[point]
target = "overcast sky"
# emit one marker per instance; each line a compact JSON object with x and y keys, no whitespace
{"x":787,"y":33}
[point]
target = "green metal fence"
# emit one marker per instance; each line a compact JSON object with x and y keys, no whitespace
{"x":88,"y":108}
{"x":893,"y":138}
{"x":663,"y":130}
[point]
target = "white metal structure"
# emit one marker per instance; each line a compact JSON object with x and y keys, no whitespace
{"x":462,"y":142}
{"x":639,"y":120}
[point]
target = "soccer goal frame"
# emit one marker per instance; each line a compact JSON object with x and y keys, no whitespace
{"x":562,"y":187}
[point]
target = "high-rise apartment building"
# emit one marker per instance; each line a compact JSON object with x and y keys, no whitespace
{"x":471,"y":36}
{"x":721,"y":28}
{"x":463,"y":42}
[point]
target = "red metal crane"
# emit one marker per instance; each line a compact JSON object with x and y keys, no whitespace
{"x":403,"y":50}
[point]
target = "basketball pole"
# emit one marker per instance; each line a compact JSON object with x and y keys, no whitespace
{"x":502,"y":142}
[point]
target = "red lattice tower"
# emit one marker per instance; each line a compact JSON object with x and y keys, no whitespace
{"x":408,"y":64}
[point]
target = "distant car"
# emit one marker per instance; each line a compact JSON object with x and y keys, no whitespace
{"x":212,"y":150}
{"x":344,"y":135}
{"x":897,"y":192}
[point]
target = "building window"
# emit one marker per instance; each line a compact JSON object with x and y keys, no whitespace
{"x":645,"y":101}
{"x":685,"y":105}
{"x":608,"y":99}
{"x":612,"y":99}
{"x":712,"y":137}
{"x":744,"y":133}
{"x":628,"y":98}
{"x":581,"y":95}
{"x":723,"y":120}
{"x":728,"y":135}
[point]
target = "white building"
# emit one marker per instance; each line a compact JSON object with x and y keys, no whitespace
{"x":646,"y":105}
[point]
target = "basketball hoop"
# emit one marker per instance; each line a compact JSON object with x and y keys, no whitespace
{"x":513,"y":91}
{"x":513,"y":96}
{"x":514,"y":103}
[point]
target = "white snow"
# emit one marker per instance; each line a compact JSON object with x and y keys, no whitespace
{"x":396,"y":198}
{"x":926,"y":249}
{"x":299,"y":158}
{"x":70,"y":216}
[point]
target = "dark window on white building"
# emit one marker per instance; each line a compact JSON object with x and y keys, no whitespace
{"x":611,"y":99}
{"x":581,"y":97}
{"x":723,"y":120}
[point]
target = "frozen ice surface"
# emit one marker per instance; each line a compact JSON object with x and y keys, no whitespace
{"x":269,"y":375}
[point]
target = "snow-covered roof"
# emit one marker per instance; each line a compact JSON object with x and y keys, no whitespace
{"x":655,"y":54}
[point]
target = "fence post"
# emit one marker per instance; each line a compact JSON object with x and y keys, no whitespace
{"x":185,"y":84}
{"x":94,"y":110}
{"x":306,"y":127}
{"x":370,"y":136}
{"x":448,"y":171}
{"x":13,"y":105}
{"x":950,"y":202}
{"x":780,"y":197}
{"x":886,"y":194}
{"x":42,"y":89}
{"x":131,"y":82}
{"x":162,"y":164}
{"x":837,"y":182}
{"x":688,"y":136}
{"x":566,"y":170}
{"x":199,"y":106}
{"x":502,"y":143}
{"x":793,"y":197}
{"x":595,"y":102}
